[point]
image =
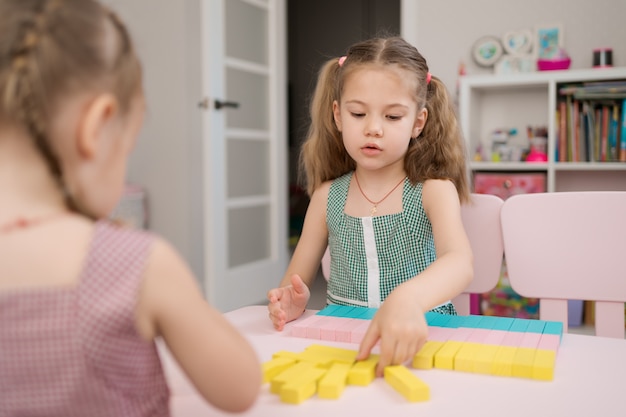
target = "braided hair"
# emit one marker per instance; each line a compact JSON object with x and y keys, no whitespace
{"x":52,"y":48}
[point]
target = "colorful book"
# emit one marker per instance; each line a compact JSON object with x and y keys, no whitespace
{"x":613,"y":129}
{"x":622,"y":155}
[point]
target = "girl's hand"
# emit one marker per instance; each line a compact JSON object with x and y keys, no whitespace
{"x":401,"y":328}
{"x":288,"y":303}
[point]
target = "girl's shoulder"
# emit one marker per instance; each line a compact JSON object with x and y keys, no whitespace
{"x":439,"y":192}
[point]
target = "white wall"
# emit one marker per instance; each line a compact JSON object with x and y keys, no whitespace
{"x":447,"y":29}
{"x":167,"y":35}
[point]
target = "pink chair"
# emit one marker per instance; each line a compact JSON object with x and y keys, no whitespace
{"x":569,"y":246}
{"x":481,"y":218}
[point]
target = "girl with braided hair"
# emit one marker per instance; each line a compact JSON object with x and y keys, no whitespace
{"x":385,"y":166}
{"x":82,"y":300}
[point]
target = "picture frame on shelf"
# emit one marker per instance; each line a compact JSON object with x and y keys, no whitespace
{"x":515,"y":64}
{"x":549,"y":40}
{"x":519,"y":42}
{"x":487,"y":50}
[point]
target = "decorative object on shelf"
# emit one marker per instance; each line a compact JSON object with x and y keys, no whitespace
{"x":518,"y":42}
{"x":501,"y":148}
{"x":487,"y":50}
{"x":538,"y":140}
{"x":548,"y":41}
{"x":515,"y":64}
{"x":602,"y":58}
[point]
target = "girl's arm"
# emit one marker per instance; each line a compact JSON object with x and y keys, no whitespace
{"x":307,"y":257}
{"x":218,"y":360}
{"x":400,"y":324}
{"x":453,"y":270}
{"x":289,"y":300}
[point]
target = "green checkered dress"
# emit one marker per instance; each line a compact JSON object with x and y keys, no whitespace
{"x":370,"y":256}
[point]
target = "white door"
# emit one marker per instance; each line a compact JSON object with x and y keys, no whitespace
{"x":244,"y":142}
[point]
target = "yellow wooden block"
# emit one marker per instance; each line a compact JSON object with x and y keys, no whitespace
{"x":363,"y":372}
{"x":303,"y":386}
{"x":288,"y":374}
{"x":407,"y":383}
{"x":543,"y":366}
{"x":523,"y":360}
{"x":464,"y":358}
{"x":338,"y":354}
{"x":326,"y":355}
{"x":285,"y":354}
{"x":333,"y":383}
{"x":275,"y":366}
{"x":315,"y":358}
{"x":444,"y":357}
{"x":503,"y":361}
{"x":483,"y":360}
{"x":425,"y":358}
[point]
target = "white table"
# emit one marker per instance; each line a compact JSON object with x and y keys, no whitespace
{"x":589,"y":381}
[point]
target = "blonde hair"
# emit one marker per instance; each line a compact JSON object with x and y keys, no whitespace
{"x":50,"y":49}
{"x":438,"y":153}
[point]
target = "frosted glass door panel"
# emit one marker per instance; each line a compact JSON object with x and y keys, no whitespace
{"x":249,"y":235}
{"x":247,"y":167}
{"x":250,"y":90}
{"x":246,"y":31}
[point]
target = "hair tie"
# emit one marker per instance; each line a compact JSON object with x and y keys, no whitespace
{"x":342,"y":60}
{"x":428,"y":77}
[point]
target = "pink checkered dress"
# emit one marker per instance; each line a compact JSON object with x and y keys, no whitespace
{"x":76,"y":352}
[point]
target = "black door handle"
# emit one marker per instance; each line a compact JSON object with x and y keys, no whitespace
{"x":221,"y":104}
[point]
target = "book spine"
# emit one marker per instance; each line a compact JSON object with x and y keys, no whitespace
{"x":563,"y":131}
{"x":604,"y":138}
{"x":612,"y":139}
{"x":622,"y":155}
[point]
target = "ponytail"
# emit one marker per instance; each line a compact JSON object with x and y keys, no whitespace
{"x":323,"y":156}
{"x":439,"y":152}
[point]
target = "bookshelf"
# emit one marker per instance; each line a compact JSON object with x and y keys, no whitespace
{"x":515,"y":101}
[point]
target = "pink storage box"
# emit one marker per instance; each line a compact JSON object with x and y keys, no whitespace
{"x":505,"y":185}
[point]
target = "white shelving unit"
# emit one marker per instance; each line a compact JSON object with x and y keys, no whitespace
{"x":490,"y":102}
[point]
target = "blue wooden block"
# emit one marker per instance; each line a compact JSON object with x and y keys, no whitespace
{"x":368,"y":313}
{"x":554,"y":327}
{"x":503,"y":323}
{"x":329,"y":310}
{"x":536,"y":326}
{"x":488,"y":322}
{"x":454,"y":322}
{"x":520,"y":325}
{"x":473,"y":321}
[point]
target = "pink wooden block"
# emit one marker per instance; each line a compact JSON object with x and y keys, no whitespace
{"x":461,"y":334}
{"x":549,"y":342}
{"x":299,"y":327}
{"x":495,"y":337}
{"x":440,"y":334}
{"x":314,"y":328}
{"x":329,"y":326}
{"x":512,"y":339}
{"x":530,"y":340}
{"x":478,"y":335}
{"x":344,"y":332}
{"x":358,"y":333}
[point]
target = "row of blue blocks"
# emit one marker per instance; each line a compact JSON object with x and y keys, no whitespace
{"x":446,"y":320}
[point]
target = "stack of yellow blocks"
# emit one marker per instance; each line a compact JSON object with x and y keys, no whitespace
{"x":326,"y":370}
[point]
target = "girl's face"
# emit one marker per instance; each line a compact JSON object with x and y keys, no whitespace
{"x":378,"y":116}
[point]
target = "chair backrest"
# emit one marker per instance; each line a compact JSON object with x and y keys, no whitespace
{"x":569,"y":246}
{"x":481,"y":218}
